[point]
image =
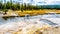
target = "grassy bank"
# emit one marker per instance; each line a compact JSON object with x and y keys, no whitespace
{"x":31,"y":12}
{"x":36,"y":12}
{"x":10,"y":13}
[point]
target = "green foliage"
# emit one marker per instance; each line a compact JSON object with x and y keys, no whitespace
{"x":17,"y":6}
{"x":22,"y":7}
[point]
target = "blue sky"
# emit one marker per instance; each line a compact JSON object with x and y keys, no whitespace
{"x":40,"y":2}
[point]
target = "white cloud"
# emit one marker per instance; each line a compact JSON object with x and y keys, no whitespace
{"x":47,"y":2}
{"x":42,"y":2}
{"x":52,"y":2}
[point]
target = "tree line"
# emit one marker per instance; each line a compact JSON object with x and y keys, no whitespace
{"x":17,"y":6}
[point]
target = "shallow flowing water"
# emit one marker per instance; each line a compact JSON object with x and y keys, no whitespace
{"x":18,"y":19}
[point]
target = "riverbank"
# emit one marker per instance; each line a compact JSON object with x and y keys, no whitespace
{"x":31,"y":12}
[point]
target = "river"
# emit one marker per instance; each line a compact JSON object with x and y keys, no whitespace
{"x":32,"y":18}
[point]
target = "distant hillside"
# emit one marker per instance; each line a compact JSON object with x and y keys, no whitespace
{"x":49,"y":6}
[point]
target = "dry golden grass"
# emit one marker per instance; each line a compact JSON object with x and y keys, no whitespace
{"x":34,"y":12}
